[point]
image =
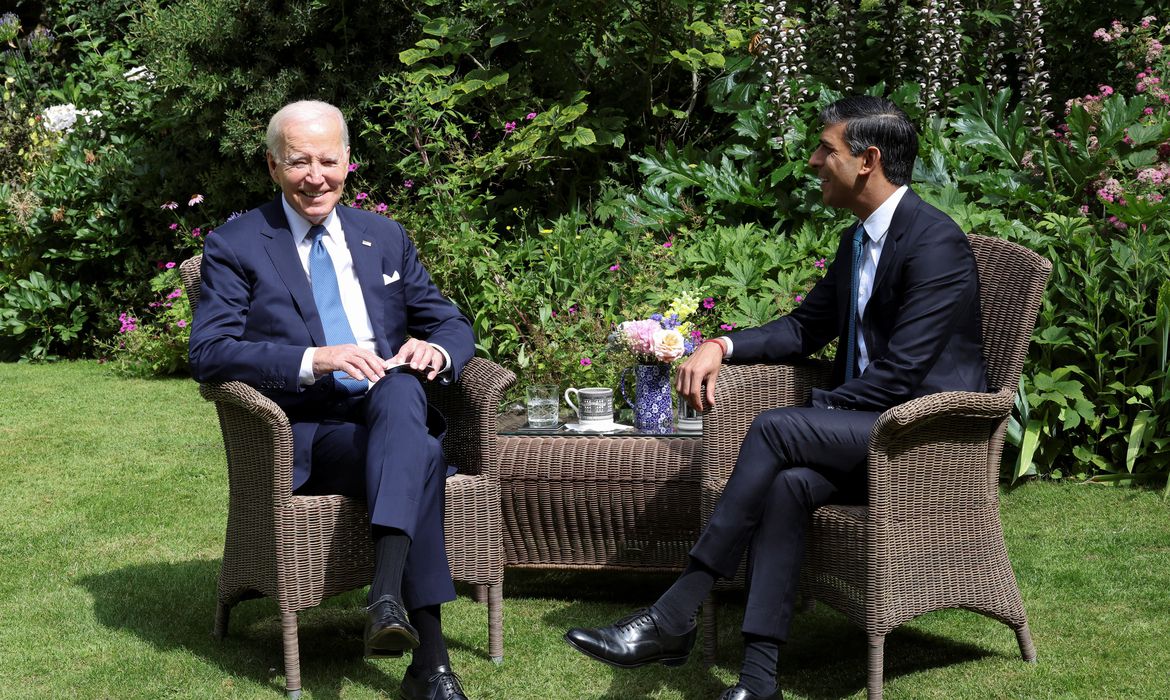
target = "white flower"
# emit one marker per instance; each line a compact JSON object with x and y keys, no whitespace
{"x":60,"y":118}
{"x":668,"y":345}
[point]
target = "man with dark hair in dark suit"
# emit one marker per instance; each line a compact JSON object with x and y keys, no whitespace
{"x":327,"y":310}
{"x":902,"y":298}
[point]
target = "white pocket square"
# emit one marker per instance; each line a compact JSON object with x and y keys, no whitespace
{"x":390,"y":279}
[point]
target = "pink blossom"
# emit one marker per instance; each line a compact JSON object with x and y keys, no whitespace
{"x":509,"y":127}
{"x":170,"y":205}
{"x":530,"y":116}
{"x":362,"y":195}
{"x":639,"y":335}
{"x":615,"y":267}
{"x":129,"y":323}
{"x":1105,"y":90}
{"x":820,"y":264}
{"x":573,"y":310}
{"x":174,"y":227}
{"x":196,"y":232}
{"x":195,"y":199}
{"x":354,"y":166}
{"x":170,"y":265}
{"x":1148,"y":111}
{"x":667,"y":244}
{"x":585,"y":361}
{"x":709,"y":303}
{"x":1118,"y":223}
{"x":726,"y":326}
{"x":381,"y":208}
{"x":175,"y":293}
{"x":799,"y":298}
{"x":181,"y":323}
{"x":408,"y":184}
{"x":1085,"y":209}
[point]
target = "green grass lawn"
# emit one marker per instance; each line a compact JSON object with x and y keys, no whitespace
{"x":112,"y":507}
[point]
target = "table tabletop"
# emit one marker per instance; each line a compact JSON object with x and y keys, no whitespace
{"x":517,"y":424}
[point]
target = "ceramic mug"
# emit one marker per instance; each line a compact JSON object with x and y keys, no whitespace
{"x":596,"y":407}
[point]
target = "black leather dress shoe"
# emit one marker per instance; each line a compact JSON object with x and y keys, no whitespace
{"x":388,"y":633}
{"x":738,"y":692}
{"x":439,"y":684}
{"x":633,"y":641}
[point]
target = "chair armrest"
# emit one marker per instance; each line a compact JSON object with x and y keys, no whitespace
{"x":937,"y":453}
{"x":471,"y":407}
{"x":744,"y":391}
{"x":258,"y":441}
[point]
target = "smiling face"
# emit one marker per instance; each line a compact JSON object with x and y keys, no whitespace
{"x":311,"y":165}
{"x":839,"y":170}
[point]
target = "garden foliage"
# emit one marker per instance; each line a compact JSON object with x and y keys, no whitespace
{"x":566,"y":166}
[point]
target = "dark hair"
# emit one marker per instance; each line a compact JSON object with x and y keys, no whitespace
{"x":875,"y":121}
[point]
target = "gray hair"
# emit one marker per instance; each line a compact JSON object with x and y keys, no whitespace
{"x":302,"y":110}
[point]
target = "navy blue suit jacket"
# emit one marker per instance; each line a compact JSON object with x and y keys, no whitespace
{"x":922,"y":324}
{"x":256,"y":314}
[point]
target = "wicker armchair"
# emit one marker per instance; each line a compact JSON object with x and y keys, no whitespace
{"x":302,"y":549}
{"x":930,"y":537}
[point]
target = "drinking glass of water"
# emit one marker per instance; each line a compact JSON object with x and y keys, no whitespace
{"x":543,"y":405}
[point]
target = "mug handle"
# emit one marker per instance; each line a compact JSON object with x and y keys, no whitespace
{"x":570,"y":401}
{"x":626,"y":396}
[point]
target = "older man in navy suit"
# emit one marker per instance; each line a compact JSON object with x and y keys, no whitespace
{"x":328,"y":311}
{"x":902,"y":298}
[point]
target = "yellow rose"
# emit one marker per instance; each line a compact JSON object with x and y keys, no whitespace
{"x":668,"y":345}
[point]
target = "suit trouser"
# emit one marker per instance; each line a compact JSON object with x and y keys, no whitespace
{"x":792,"y":461}
{"x":385,"y":452}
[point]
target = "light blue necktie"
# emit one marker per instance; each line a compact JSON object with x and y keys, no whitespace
{"x":850,"y":348}
{"x":328,"y":297}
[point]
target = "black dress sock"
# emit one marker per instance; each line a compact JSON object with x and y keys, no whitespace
{"x":432,"y":648}
{"x":760,"y":656}
{"x":678,"y":606}
{"x":391,"y":546}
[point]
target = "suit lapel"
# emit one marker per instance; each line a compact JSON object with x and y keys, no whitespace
{"x":367,"y":265}
{"x":283,"y":253}
{"x":899,"y":224}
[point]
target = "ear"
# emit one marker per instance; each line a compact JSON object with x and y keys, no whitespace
{"x":271,"y":165}
{"x":871,"y":161}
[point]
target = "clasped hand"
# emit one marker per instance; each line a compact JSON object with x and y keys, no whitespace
{"x":419,"y":355}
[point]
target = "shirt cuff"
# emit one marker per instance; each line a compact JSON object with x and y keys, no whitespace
{"x":306,"y":377}
{"x":730,"y":346}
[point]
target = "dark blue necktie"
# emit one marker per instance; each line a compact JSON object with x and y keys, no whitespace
{"x":328,"y":297}
{"x":850,"y":348}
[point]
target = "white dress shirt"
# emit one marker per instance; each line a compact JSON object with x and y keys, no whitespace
{"x":876,"y":228}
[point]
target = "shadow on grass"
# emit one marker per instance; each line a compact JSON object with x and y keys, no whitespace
{"x":825,"y":657}
{"x":172,"y":607}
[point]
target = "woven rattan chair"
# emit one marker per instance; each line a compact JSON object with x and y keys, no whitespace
{"x":302,"y":549}
{"x":930,"y":537}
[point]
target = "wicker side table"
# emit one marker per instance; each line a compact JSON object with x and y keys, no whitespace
{"x":600,"y":501}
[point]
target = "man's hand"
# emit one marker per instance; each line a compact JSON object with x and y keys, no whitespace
{"x":421,"y":356}
{"x":354,"y":361}
{"x":700,"y":368}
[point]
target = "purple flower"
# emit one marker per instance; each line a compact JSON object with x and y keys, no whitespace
{"x":170,"y":265}
{"x":196,"y":232}
{"x":530,"y":116}
{"x":129,"y":323}
{"x":573,"y":310}
{"x":799,"y":298}
{"x":175,"y":294}
{"x":820,"y":264}
{"x":509,"y":127}
{"x":709,"y":303}
{"x":667,"y":244}
{"x":361,"y":195}
{"x":726,"y":326}
{"x":381,"y":208}
{"x":174,"y":227}
{"x":181,"y":323}
{"x":354,"y":166}
{"x":615,"y":267}
{"x":585,"y":361}
{"x":235,"y":215}
{"x":408,"y":184}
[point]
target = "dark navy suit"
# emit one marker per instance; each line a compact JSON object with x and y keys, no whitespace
{"x":257,"y":316}
{"x":923,"y":334}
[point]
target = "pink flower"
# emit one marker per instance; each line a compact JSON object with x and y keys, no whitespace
{"x":170,"y":265}
{"x":799,"y":298}
{"x":726,"y":326}
{"x":408,"y":184}
{"x":195,"y":199}
{"x":196,"y":232}
{"x":381,"y":208}
{"x":174,"y":227}
{"x":175,"y":294}
{"x":585,"y":361}
{"x":129,"y":323}
{"x":181,"y":323}
{"x":639,"y":335}
{"x":530,"y":116}
{"x":820,"y":264}
{"x":573,"y":310}
{"x":170,"y":205}
{"x":1105,"y":90}
{"x":709,"y":303}
{"x":509,"y":127}
{"x":354,"y":166}
{"x":361,"y":195}
{"x":667,"y":244}
{"x":615,"y":267}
